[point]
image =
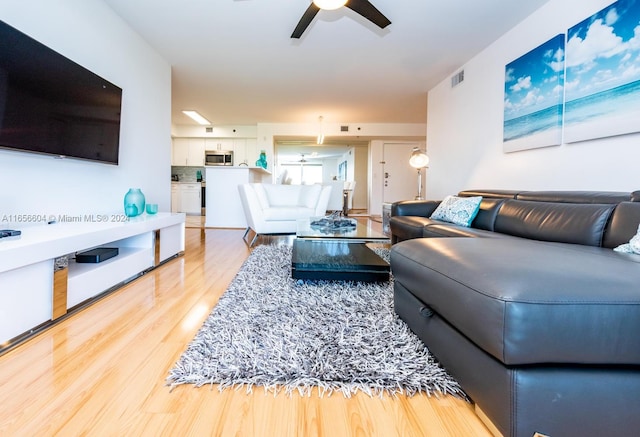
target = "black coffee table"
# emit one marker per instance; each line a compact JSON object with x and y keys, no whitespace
{"x":344,"y":256}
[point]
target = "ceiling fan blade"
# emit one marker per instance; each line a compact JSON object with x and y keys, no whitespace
{"x":368,"y":11}
{"x":306,"y":19}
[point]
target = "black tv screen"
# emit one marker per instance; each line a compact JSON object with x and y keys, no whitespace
{"x":49,"y":104}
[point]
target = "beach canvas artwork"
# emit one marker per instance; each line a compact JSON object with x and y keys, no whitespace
{"x":603,"y":74}
{"x":533,"y":96}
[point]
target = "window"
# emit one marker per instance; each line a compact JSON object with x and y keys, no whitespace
{"x":306,"y":174}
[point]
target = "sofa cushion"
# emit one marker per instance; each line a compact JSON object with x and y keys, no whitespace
{"x":408,"y":227}
{"x":282,"y":195}
{"x":308,"y":196}
{"x":527,"y":302}
{"x":279,"y":213}
{"x":437,"y":230}
{"x":458,"y":210}
{"x":261,"y":194}
{"x":559,"y":222}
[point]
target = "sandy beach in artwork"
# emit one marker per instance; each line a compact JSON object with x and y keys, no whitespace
{"x":601,"y":127}
{"x":551,"y":137}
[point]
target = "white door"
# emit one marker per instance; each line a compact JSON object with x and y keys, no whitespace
{"x":400,"y":180}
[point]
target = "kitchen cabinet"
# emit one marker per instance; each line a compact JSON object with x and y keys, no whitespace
{"x":245,"y":150}
{"x":240,"y":152}
{"x":187,"y":198}
{"x":180,"y":151}
{"x":175,"y":197}
{"x":252,"y":151}
{"x":218,"y":144}
{"x":188,"y":152}
{"x":191,"y":198}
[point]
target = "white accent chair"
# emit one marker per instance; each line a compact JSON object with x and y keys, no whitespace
{"x":336,"y":200}
{"x":274,"y":208}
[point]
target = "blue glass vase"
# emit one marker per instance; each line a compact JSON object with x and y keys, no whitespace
{"x":133,"y":202}
{"x":262,"y":161}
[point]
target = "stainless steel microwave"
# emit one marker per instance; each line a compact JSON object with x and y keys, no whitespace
{"x":218,"y":157}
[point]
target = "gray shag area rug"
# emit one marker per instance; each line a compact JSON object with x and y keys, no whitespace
{"x":290,"y":335}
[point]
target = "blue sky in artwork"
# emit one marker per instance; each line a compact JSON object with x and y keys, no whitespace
{"x":534,"y":81}
{"x":603,"y":51}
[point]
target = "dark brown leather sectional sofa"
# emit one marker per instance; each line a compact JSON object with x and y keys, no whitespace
{"x":535,"y":315}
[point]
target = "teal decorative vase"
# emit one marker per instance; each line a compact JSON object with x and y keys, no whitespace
{"x":133,"y":202}
{"x":262,"y":161}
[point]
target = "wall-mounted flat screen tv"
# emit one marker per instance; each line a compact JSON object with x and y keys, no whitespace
{"x":49,"y":104}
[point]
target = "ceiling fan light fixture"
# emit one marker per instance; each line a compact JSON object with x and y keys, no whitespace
{"x":329,"y":4}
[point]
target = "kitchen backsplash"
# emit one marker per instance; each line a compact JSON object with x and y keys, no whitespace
{"x":187,"y":174}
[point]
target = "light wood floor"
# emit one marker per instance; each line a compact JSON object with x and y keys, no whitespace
{"x":102,"y":371}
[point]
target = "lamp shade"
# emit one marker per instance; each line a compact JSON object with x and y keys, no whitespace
{"x":419,"y":158}
{"x":329,"y":4}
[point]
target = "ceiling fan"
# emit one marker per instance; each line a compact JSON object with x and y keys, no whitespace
{"x":362,"y":7}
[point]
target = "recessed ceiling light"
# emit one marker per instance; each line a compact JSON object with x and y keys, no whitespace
{"x":197,"y":117}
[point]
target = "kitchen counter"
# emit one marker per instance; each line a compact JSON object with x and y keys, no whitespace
{"x":255,"y":169}
{"x":224,"y":209}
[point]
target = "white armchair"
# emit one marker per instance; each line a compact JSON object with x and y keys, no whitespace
{"x":274,"y":208}
{"x":336,"y":199}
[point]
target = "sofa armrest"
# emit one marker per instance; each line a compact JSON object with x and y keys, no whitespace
{"x":252,"y":207}
{"x":323,"y":200}
{"x":419,"y":208}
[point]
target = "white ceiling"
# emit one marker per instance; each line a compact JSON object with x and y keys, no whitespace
{"x":235,"y":63}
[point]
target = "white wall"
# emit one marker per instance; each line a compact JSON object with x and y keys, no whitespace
{"x":464,"y":125}
{"x":89,"y":33}
{"x":329,"y":169}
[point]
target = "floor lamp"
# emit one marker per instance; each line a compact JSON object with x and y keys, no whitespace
{"x":419,"y":160}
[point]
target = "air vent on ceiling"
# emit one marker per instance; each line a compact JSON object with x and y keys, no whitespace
{"x":457,"y":78}
{"x":208,"y":130}
{"x":344,"y":128}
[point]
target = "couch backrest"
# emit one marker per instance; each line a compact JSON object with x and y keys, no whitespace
{"x":576,"y":223}
{"x":609,"y":197}
{"x":592,"y":218}
{"x":490,"y":194}
{"x":489,"y":206}
{"x":290,"y":195}
{"x":623,"y":224}
{"x":486,"y":217}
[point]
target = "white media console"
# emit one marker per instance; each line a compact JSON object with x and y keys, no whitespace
{"x":40,"y":282}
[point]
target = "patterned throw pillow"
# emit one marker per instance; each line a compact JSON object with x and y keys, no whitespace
{"x":457,"y":210}
{"x":633,"y":246}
